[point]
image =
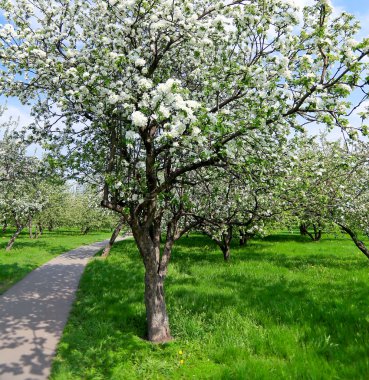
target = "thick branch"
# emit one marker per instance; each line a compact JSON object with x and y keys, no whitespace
{"x":360,"y":244}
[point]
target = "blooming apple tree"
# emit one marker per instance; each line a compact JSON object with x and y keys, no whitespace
{"x":240,"y":196}
{"x":329,"y":186}
{"x":21,"y":195}
{"x":142,"y":100}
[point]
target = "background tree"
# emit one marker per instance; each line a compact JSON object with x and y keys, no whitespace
{"x":21,"y":192}
{"x":239,"y":197}
{"x":82,"y":210}
{"x":330,"y":186}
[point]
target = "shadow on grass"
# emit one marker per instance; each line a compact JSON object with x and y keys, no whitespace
{"x":203,"y":251}
{"x":108,"y":321}
{"x":110,"y":304}
{"x":9,"y":273}
{"x":279,"y":238}
{"x":22,"y":245}
{"x":45,"y":242}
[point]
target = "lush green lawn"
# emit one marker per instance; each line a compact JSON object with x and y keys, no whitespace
{"x":283,"y":308}
{"x":28,"y":254}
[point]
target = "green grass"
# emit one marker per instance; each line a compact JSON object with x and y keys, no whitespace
{"x":283,"y":308}
{"x":28,"y":254}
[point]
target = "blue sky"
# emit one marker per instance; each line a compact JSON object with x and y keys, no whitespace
{"x":358,"y":7}
{"x":354,"y":6}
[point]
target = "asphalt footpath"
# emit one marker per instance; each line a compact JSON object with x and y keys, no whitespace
{"x":34,"y":311}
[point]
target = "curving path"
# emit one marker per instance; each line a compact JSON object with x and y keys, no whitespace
{"x":34,"y":312}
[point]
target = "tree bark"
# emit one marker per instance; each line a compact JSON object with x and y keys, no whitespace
{"x":244,"y":238}
{"x":303,"y":229}
{"x":12,"y":239}
{"x":114,"y":235}
{"x":30,"y":228}
{"x":156,"y":265}
{"x":314,"y":237}
{"x":156,"y":313}
{"x":5,"y":226}
{"x":360,"y":244}
{"x":317,"y":233}
{"x":40,"y":229}
{"x":226,"y":243}
{"x":226,"y":252}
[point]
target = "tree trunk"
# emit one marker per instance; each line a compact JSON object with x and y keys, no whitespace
{"x":226,"y":252}
{"x":5,"y":226}
{"x":156,"y":265}
{"x":114,"y":235}
{"x":156,"y":313}
{"x":314,"y":237}
{"x":226,"y":243}
{"x":360,"y":244}
{"x":244,"y":238}
{"x":30,"y":228}
{"x":303,"y":229}
{"x":317,"y":233}
{"x":38,"y":231}
{"x":12,"y":239}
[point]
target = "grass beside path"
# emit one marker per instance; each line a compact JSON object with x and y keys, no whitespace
{"x":28,"y":254}
{"x":283,"y":308}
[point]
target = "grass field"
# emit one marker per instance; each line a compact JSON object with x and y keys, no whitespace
{"x":28,"y":254}
{"x":283,"y":308}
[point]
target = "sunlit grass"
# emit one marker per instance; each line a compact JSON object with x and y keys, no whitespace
{"x":28,"y":254}
{"x":283,"y":308}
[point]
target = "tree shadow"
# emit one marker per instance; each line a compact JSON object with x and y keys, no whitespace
{"x":110,"y":302}
{"x":34,"y":311}
{"x":10,"y":273}
{"x":111,"y":305}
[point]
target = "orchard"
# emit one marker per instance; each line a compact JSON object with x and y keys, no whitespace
{"x":182,"y":116}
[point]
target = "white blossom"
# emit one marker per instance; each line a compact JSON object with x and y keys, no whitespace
{"x":139,"y":119}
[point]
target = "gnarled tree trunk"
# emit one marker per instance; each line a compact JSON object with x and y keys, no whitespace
{"x":317,"y":232}
{"x":30,"y":232}
{"x":15,"y":235}
{"x":85,"y":230}
{"x":224,"y":243}
{"x":244,"y":238}
{"x":5,"y":226}
{"x":156,"y":266}
{"x":226,"y":252}
{"x":316,"y":236}
{"x":156,"y":312}
{"x":114,"y":235}
{"x":360,"y":244}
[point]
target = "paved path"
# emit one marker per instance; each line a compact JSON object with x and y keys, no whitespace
{"x":34,"y":312}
